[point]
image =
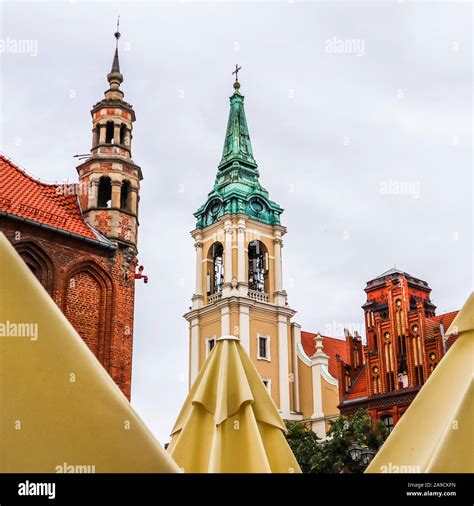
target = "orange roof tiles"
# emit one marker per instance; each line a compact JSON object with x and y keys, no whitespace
{"x":434,"y":322}
{"x":48,"y":204}
{"x":432,"y":326}
{"x":331,"y":346}
{"x":359,"y":387}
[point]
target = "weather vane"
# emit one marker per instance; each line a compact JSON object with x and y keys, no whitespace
{"x":236,"y":72}
{"x":117,"y":33}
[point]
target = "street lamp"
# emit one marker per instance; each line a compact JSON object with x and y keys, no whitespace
{"x":359,"y":454}
{"x":355,"y":451}
{"x":367,"y":455}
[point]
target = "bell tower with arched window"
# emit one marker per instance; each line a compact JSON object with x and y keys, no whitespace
{"x":109,"y":179}
{"x":239,"y":283}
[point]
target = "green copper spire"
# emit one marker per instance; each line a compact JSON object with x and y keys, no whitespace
{"x":237,"y":189}
{"x":237,"y":145}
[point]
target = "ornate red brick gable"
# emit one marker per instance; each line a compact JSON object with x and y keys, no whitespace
{"x":405,"y":342}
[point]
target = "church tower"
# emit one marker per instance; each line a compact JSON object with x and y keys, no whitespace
{"x":239,"y":285}
{"x":109,"y":185}
{"x":109,"y":175}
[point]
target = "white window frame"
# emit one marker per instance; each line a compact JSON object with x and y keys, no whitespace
{"x":268,"y":358}
{"x":208,"y":340}
{"x":268,"y":386}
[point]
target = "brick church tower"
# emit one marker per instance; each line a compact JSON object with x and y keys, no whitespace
{"x":113,"y":179}
{"x":405,"y":342}
{"x":80,"y":240}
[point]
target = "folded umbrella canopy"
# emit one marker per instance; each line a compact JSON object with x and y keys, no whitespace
{"x":59,"y":409}
{"x":436,"y":435}
{"x":229,"y":423}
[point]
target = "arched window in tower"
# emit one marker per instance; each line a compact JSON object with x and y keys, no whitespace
{"x":104,"y":199}
{"x":402,"y":345}
{"x":109,"y":132}
{"x":215,"y":273}
{"x":96,"y":136}
{"x":258,"y":266}
{"x":402,"y":375}
{"x":125,"y":196}
{"x":123,"y":135}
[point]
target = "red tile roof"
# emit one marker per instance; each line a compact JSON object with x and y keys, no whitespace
{"x":432,"y":326}
{"x":48,"y":204}
{"x":359,"y":387}
{"x":433,"y":323}
{"x":331,"y":346}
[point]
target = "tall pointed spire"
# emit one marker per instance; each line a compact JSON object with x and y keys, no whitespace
{"x":237,"y":145}
{"x":115,"y":78}
{"x":237,"y":189}
{"x":115,"y":63}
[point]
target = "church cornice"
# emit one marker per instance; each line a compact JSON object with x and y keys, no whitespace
{"x":113,"y":104}
{"x":111,"y":159}
{"x":235,"y":300}
{"x":249,"y":222}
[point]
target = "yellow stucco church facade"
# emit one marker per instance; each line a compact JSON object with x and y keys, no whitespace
{"x":239,"y":288}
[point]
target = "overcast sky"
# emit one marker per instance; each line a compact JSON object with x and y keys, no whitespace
{"x":333,"y":134}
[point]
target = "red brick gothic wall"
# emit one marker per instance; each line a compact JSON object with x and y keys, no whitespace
{"x":93,"y":286}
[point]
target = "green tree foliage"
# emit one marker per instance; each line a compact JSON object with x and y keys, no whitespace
{"x":303,"y":442}
{"x":332,"y":454}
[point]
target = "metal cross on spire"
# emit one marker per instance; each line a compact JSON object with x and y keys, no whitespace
{"x":236,"y":72}
{"x":117,"y":33}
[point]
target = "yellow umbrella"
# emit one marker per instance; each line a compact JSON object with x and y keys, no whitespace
{"x":436,"y":433}
{"x":59,"y":409}
{"x":229,"y":423}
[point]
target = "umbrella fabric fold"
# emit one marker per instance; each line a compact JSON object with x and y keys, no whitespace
{"x":229,"y":423}
{"x":436,"y":435}
{"x":60,"y":411}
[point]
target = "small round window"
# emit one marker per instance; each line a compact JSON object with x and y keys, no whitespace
{"x":215,"y":207}
{"x":257,"y":205}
